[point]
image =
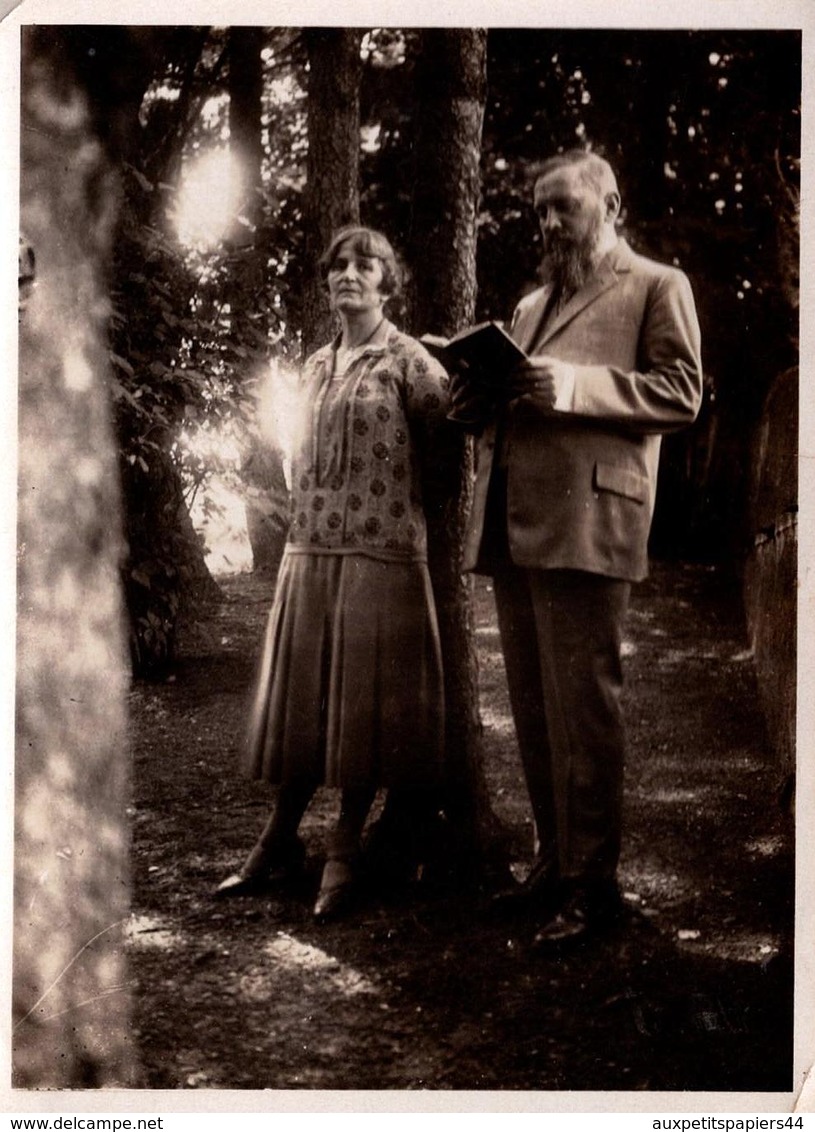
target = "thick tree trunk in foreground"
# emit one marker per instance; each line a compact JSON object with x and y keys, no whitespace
{"x":70,"y":986}
{"x":451,"y":83}
{"x":332,"y":191}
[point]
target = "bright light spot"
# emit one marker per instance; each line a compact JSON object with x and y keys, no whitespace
{"x":722,"y":83}
{"x":501,"y":164}
{"x":691,"y":132}
{"x":497,"y":722}
{"x":282,"y":412}
{"x":370,"y":138}
{"x":76,"y":370}
{"x":284,"y":91}
{"x":145,"y":931}
{"x":291,"y":953}
{"x":714,"y":59}
{"x":765,"y":846}
{"x":735,"y":946}
{"x":679,"y":795}
{"x":668,"y":171}
{"x":720,"y":206}
{"x":219,"y":515}
{"x":208,"y":199}
{"x":214,"y":110}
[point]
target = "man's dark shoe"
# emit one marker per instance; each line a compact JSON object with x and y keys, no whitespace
{"x":588,"y":912}
{"x":538,"y":893}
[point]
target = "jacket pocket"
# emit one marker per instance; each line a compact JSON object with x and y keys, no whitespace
{"x":621,"y":481}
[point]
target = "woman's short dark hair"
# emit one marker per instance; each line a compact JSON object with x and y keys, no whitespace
{"x":368,"y":242}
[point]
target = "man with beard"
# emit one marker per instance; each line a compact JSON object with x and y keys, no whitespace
{"x":564,"y":495}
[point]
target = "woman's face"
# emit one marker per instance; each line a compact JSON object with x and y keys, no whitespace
{"x":354,"y":281}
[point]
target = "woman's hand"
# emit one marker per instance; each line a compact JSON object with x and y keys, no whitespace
{"x":469,"y":406}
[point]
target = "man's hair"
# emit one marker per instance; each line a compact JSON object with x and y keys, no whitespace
{"x":368,"y":242}
{"x":593,"y":169}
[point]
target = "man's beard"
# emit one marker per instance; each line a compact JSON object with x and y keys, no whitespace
{"x":568,"y":263}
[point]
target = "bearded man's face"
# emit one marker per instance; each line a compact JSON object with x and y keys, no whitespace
{"x":571,"y":214}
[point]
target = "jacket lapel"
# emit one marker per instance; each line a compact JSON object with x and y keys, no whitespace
{"x":617,"y":261}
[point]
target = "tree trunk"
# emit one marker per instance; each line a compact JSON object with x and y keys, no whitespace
{"x":267,"y":509}
{"x":245,"y":129}
{"x":165,"y":572}
{"x":262,"y":468}
{"x":451,"y":85}
{"x":332,"y":190}
{"x":70,"y":989}
{"x":165,"y":576}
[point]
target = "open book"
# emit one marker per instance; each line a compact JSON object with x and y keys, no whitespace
{"x":487,"y":351}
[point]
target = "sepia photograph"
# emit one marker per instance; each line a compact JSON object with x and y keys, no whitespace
{"x":407,"y":559}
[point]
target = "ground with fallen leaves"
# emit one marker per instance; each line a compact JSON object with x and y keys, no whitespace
{"x":422,"y":990}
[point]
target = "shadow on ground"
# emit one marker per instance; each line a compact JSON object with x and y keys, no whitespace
{"x":421,"y":990}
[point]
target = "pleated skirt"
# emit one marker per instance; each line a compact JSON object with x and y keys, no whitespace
{"x":349,"y":689}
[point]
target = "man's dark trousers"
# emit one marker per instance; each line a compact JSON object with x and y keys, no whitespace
{"x":561,"y":633}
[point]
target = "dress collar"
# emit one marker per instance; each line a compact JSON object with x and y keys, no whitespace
{"x":376,"y":343}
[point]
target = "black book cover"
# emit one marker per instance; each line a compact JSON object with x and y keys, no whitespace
{"x":486,"y":349}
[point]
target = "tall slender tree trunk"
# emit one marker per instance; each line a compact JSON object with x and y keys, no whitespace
{"x":245,"y":127}
{"x":70,"y":987}
{"x":332,"y":191}
{"x":451,"y":86}
{"x":261,"y":468}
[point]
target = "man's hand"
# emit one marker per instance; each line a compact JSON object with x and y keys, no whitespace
{"x":549,"y":380}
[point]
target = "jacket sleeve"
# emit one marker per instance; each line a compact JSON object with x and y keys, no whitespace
{"x":664,"y":392}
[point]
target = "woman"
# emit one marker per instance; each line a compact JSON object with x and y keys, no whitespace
{"x":350,"y":686}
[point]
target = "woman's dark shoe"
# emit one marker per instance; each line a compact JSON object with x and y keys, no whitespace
{"x":338,"y":890}
{"x":269,"y":865}
{"x":239,"y":885}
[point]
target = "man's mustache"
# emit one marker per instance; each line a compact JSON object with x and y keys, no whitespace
{"x":560,"y":247}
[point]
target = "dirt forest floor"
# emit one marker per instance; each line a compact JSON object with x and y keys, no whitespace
{"x":423,"y":990}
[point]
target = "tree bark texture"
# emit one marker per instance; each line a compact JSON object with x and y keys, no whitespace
{"x":267,"y":505}
{"x":332,"y":189}
{"x":165,"y":571}
{"x":245,"y":127}
{"x":770,"y":587}
{"x":451,"y":88}
{"x":262,"y":467}
{"x":70,"y":988}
